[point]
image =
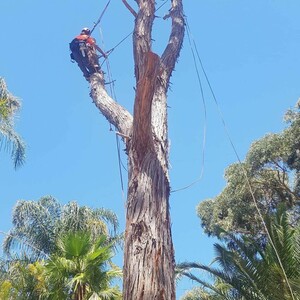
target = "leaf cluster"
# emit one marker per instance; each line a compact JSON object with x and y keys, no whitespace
{"x":9,"y":139}
{"x":37,"y":225}
{"x":57,"y":251}
{"x":270,"y":174}
{"x":250,"y":272}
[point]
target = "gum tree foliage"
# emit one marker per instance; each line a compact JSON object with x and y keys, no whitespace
{"x":250,"y":271}
{"x":9,"y":139}
{"x":37,"y":224}
{"x":273,"y":169}
{"x":148,"y":252}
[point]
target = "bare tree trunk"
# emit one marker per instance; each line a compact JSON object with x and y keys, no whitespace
{"x":149,"y":255}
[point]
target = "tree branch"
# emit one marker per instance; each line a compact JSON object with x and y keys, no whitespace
{"x":116,"y":114}
{"x":130,"y":8}
{"x":172,"y":51}
{"x":142,"y":34}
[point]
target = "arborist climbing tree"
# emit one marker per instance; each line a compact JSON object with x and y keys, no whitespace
{"x":84,"y":51}
{"x":148,"y":254}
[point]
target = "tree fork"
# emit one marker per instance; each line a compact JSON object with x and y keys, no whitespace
{"x":149,"y":256}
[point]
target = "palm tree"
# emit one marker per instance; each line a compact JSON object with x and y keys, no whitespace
{"x":38,"y":223}
{"x":81,"y":269}
{"x":9,"y":105}
{"x":249,"y":272}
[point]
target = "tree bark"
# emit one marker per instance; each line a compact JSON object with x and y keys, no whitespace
{"x":148,"y":255}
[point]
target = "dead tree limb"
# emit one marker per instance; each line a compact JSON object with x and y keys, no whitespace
{"x":130,"y":8}
{"x":116,"y":114}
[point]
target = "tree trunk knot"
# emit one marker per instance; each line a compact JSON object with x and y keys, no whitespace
{"x":154,"y":242}
{"x":138,"y":230}
{"x":138,"y":250}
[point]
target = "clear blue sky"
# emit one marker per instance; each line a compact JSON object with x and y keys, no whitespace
{"x":250,"y":50}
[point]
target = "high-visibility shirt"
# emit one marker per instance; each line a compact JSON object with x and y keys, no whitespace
{"x":87,"y":38}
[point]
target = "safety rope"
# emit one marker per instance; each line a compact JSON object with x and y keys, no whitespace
{"x":129,"y":34}
{"x":114,"y":96}
{"x":102,"y":14}
{"x":111,"y":83}
{"x":205,"y":120}
{"x":243,"y":167}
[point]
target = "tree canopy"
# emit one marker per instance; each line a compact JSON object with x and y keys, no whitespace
{"x":37,"y":224}
{"x":57,"y":251}
{"x":79,"y":268}
{"x":272,"y":166}
{"x":250,"y":272}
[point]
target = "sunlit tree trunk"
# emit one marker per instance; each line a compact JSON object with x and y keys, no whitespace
{"x":149,"y":255}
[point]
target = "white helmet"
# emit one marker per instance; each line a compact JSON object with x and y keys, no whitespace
{"x":86,"y":30}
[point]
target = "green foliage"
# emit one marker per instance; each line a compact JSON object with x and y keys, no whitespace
{"x":253,"y":273}
{"x":68,"y":252}
{"x":81,"y":267}
{"x":37,"y":224}
{"x":17,"y":280}
{"x":272,"y":168}
{"x":9,"y":105}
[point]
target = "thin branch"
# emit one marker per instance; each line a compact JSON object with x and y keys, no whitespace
{"x":130,"y":8}
{"x":142,"y":40}
{"x":172,"y":51}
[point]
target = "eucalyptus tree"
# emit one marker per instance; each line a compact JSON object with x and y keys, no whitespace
{"x":272,"y":169}
{"x":250,"y":272}
{"x":37,"y":224}
{"x":9,"y":139}
{"x":149,"y":255}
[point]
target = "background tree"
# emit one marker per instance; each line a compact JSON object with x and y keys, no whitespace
{"x":9,"y":105}
{"x":149,"y":255}
{"x":37,"y":224}
{"x":81,"y":267}
{"x":20,"y":279}
{"x":273,"y":170}
{"x":251,"y":272}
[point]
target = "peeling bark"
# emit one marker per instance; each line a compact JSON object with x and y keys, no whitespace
{"x":116,"y":114}
{"x":149,"y":255}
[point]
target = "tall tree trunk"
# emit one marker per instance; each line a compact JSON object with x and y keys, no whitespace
{"x":149,"y":255}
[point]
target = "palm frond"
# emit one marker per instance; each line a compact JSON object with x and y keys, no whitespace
{"x":13,"y":143}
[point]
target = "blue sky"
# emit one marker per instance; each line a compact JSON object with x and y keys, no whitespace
{"x":250,"y":51}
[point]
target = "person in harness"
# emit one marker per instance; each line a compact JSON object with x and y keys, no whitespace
{"x":84,"y":51}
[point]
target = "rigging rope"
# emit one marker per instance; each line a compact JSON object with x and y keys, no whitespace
{"x":129,"y":34}
{"x":111,"y":82}
{"x":99,"y":20}
{"x":205,"y":119}
{"x":113,"y":94}
{"x":243,"y":167}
